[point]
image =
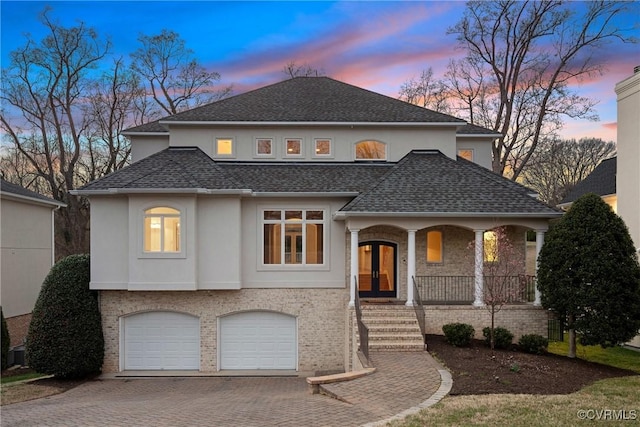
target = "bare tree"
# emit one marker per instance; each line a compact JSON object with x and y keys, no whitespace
{"x":503,"y":267}
{"x":293,"y":69}
{"x":521,"y":59}
{"x":532,"y":52}
{"x":559,"y":164}
{"x":426,"y":91}
{"x":176,"y":80}
{"x":44,"y":85}
{"x":112,"y":105}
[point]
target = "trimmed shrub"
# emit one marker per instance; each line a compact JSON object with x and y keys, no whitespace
{"x":458,"y":334}
{"x":533,"y":343}
{"x":6,"y":339}
{"x":502,"y":337}
{"x":65,"y":336}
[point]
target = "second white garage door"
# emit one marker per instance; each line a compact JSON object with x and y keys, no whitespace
{"x":161,"y":340}
{"x":258,"y":340}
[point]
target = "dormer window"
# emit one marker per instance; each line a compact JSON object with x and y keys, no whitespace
{"x":371,"y":150}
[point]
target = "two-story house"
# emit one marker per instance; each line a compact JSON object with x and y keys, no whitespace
{"x":244,"y":231}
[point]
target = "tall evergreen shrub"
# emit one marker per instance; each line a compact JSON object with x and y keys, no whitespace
{"x":65,"y":336}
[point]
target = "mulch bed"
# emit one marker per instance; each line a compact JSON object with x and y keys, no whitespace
{"x":479,"y":370}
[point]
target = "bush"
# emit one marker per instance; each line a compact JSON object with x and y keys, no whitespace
{"x":458,"y":334}
{"x":533,"y":343}
{"x":6,"y":339}
{"x":65,"y":336}
{"x":502,"y":338}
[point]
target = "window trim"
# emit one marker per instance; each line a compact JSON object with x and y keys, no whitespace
{"x":315,"y":148}
{"x":222,"y":156}
{"x":282,"y":266}
{"x":437,"y":230}
{"x":272,"y":154}
{"x":182,"y":214}
{"x":355,"y":151}
{"x":286,"y":151}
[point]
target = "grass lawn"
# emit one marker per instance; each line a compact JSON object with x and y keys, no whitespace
{"x":606,"y":401}
{"x":618,"y":395}
{"x":22,"y":377}
{"x":619,"y":357}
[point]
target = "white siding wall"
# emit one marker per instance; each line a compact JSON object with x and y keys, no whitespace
{"x":26,"y":237}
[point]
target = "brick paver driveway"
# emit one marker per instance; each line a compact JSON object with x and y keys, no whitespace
{"x":405,"y":378}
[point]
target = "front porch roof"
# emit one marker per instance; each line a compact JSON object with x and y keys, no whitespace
{"x":428,"y":183}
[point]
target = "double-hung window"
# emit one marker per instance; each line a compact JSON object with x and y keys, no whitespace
{"x":293,"y":237}
{"x":162,"y":230}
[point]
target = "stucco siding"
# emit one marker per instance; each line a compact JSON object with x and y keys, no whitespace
{"x":399,"y":140}
{"x":109,"y":243}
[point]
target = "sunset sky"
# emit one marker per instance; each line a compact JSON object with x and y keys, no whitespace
{"x":375,"y":45}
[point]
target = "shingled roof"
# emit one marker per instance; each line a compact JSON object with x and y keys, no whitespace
{"x":427,"y":182}
{"x":602,"y":181}
{"x":9,"y":188}
{"x":312,"y":99}
{"x":424,"y":182}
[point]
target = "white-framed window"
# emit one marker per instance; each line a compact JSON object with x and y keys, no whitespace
{"x":434,"y":246}
{"x":322,"y":147}
{"x":466,"y":154}
{"x":224,"y":147}
{"x":264,"y":147}
{"x":371,"y":150}
{"x":293,"y":147}
{"x":293,"y":237}
{"x":162,"y":231}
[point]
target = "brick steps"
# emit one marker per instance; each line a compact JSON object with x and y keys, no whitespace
{"x":392,"y":328}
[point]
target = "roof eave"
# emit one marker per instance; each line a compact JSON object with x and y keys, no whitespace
{"x":195,"y":191}
{"x":350,"y":194}
{"x":347,"y":214}
{"x":155,"y":133}
{"x":308,"y":123}
{"x":33,"y":200}
{"x":479,"y":135}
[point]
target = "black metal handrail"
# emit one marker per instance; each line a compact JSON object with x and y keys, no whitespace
{"x":363,"y":330}
{"x":419,"y":308}
{"x":460,"y":289}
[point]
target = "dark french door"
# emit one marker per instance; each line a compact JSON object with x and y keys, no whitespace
{"x":377,"y":269}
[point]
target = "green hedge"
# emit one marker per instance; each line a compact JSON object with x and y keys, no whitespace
{"x":65,"y":336}
{"x":458,"y":334}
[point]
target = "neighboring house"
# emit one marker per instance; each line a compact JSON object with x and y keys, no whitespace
{"x":628,"y":146}
{"x":245,"y":229}
{"x":601,"y":181}
{"x":27,"y":237}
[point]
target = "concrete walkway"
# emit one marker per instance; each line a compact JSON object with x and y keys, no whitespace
{"x":403,"y":383}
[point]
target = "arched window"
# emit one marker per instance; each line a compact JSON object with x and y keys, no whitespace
{"x":162,"y":230}
{"x":371,"y":150}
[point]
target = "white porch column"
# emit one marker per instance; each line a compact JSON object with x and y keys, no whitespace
{"x":411,"y":264}
{"x":354,"y":267}
{"x":539,"y":243}
{"x":479,"y":269}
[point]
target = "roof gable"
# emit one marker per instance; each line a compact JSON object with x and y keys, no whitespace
{"x":8,"y":188}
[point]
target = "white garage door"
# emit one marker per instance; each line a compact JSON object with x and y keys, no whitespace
{"x":258,"y":340}
{"x":161,"y":340}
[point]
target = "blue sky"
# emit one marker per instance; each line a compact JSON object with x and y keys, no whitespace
{"x":372,"y":44}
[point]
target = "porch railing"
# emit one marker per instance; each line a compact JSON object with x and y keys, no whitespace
{"x":418,"y":307}
{"x":363,"y":330}
{"x":460,"y":289}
